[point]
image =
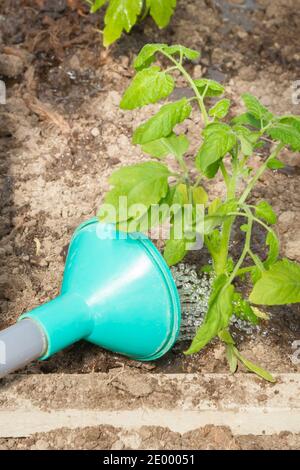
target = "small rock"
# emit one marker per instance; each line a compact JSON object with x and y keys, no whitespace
{"x":286,"y":218}
{"x":95,"y":132}
{"x":74,"y":63}
{"x":197,"y":71}
{"x":11,"y":65}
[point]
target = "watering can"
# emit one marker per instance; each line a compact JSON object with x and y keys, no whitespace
{"x":117,"y":293}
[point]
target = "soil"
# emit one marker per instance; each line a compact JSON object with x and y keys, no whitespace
{"x":62,"y":133}
{"x":151,"y":437}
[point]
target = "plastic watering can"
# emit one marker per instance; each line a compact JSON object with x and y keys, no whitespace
{"x":117,"y":293}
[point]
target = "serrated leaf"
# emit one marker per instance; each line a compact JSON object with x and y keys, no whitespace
{"x":148,"y":86}
{"x":214,"y":127}
{"x":144,"y":183}
{"x":286,"y":134}
{"x":264,"y":211}
{"x":254,"y":368}
{"x":162,"y":123}
{"x":146,"y":55}
{"x":217,"y":317}
{"x":209,"y":88}
{"x":275,"y":164}
{"x":214,"y":147}
{"x":293,"y":121}
{"x":248,"y":120}
{"x":97,"y":4}
{"x":220,"y":109}
{"x":172,"y":145}
{"x":279,"y":285}
{"x":120,"y":15}
{"x":255,"y":108}
{"x":161,"y":11}
{"x":187,"y":53}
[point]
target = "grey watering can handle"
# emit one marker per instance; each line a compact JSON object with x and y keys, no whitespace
{"x":19,"y":345}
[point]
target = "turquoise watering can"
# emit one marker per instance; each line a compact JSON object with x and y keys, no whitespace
{"x":117,"y":293}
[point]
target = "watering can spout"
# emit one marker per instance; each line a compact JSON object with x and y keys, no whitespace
{"x":117,"y":293}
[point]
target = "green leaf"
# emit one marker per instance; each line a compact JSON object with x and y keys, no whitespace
{"x":248,"y":120}
{"x":181,"y":195}
{"x":255,"y":108}
{"x":215,"y":147}
{"x":293,"y":121}
{"x":274,"y":247}
{"x":231,"y":358}
{"x":155,"y":215}
{"x":254,"y":368}
{"x":120,"y":15}
{"x":172,"y":145}
{"x":161,"y":11}
{"x":242,"y":309}
{"x":286,"y":134}
{"x":175,"y":251}
{"x":215,"y":204}
{"x":275,"y":164}
{"x":226,"y":207}
{"x":225,"y":336}
{"x":246,"y":146}
{"x":200,"y":196}
{"x":148,"y":86}
{"x":208,"y":88}
{"x":220,"y":109}
{"x":144,"y":183}
{"x":97,"y":4}
{"x":162,"y":123}
{"x":187,"y":53}
{"x":214,"y":127}
{"x":217,"y":317}
{"x":146,"y":55}
{"x":279,"y":285}
{"x":264,"y":211}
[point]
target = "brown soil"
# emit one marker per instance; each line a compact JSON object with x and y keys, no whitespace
{"x":62,"y":133}
{"x":151,"y":437}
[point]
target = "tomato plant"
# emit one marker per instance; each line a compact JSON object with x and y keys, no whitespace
{"x":225,"y":147}
{"x":122,"y":15}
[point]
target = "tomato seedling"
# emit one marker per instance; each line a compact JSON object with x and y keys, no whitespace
{"x":122,"y":15}
{"x":225,"y":147}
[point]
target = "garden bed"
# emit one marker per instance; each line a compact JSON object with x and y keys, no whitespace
{"x":62,"y":133}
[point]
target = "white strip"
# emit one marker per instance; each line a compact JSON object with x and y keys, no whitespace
{"x":246,"y":421}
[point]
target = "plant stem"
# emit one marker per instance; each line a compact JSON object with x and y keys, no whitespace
{"x":221,"y":261}
{"x":193,"y":86}
{"x":245,"y":251}
{"x":259,"y":173}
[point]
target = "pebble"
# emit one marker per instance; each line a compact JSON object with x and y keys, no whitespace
{"x":11,"y":65}
{"x":95,"y":132}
